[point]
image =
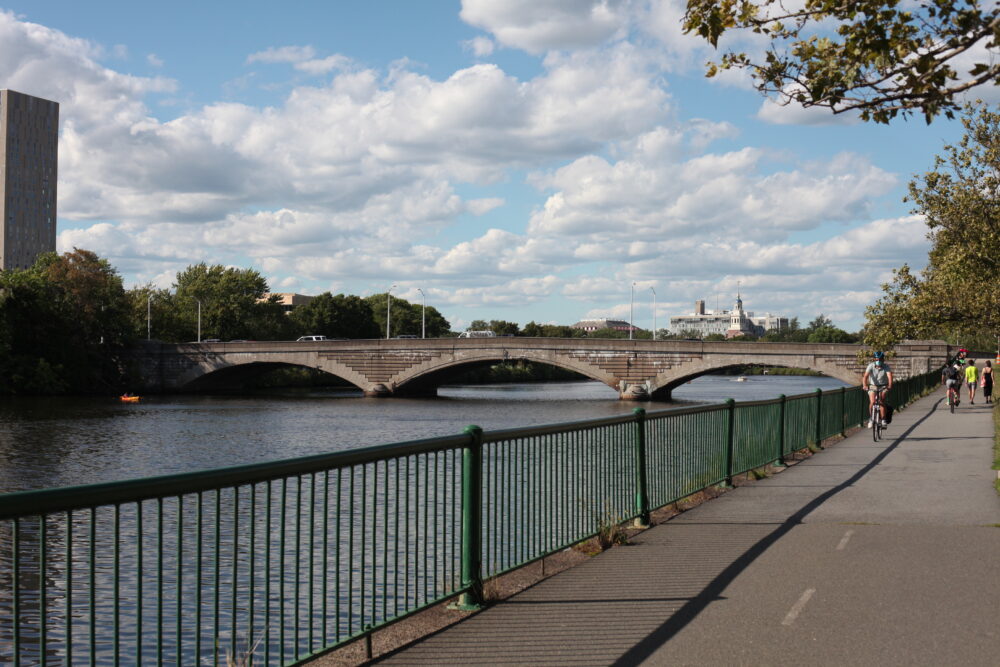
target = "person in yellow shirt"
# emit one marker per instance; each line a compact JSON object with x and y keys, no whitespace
{"x":971,"y":379}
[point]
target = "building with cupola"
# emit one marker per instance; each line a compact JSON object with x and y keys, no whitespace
{"x":728,"y":323}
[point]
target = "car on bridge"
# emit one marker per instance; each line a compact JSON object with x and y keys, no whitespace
{"x":301,"y":339}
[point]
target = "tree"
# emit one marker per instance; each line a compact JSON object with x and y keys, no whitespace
{"x":821,"y":322}
{"x":406,"y":317}
{"x":63,"y":325}
{"x":335,"y":317}
{"x":233,"y":303}
{"x":880,"y":57}
{"x":830,"y":334}
{"x":956,"y":295}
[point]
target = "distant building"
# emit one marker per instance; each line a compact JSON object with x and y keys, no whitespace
{"x":602,"y":323}
{"x":729,"y":323}
{"x":289,"y":301}
{"x":29,"y":154}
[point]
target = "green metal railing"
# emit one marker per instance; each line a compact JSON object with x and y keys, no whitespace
{"x":290,"y":559}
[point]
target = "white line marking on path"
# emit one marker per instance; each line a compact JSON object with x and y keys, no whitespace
{"x":797,"y":608}
{"x":844,"y":540}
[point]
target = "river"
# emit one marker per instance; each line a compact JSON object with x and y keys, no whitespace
{"x":50,"y":442}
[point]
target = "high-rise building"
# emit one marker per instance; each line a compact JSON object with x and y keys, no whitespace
{"x":29,"y":154}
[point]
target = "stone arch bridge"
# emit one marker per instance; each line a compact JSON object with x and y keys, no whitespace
{"x":637,"y":369}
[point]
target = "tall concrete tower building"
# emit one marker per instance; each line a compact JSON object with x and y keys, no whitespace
{"x":29,"y":154}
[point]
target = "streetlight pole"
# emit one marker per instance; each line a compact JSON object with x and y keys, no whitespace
{"x":654,"y":312}
{"x":199,"y":319}
{"x":149,"y":316}
{"x":631,"y":312}
{"x":388,"y":310}
{"x":423,"y":313}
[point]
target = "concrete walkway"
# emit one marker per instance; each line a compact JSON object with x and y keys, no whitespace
{"x":864,"y":554}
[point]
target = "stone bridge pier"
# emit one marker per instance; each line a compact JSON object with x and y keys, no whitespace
{"x":636,"y":369}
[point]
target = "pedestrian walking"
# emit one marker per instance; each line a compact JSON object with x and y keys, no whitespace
{"x":987,"y":382}
{"x":971,"y":379}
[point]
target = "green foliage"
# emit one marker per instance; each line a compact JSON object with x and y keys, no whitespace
{"x":880,"y":57}
{"x":499,"y":327}
{"x":232,"y":303}
{"x":335,"y":317}
{"x":955,"y":297}
{"x":63,"y":326}
{"x":406,"y":317}
{"x":536,"y":330}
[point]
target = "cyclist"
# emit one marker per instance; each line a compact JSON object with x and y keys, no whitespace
{"x":950,"y":375}
{"x":877,"y":380}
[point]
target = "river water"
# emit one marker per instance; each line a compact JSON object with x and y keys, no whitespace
{"x":51,"y":442}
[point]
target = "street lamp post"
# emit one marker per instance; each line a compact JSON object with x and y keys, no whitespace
{"x":149,"y":316}
{"x":654,"y":312}
{"x":199,"y":319}
{"x":388,"y":310}
{"x":631,"y":312}
{"x":423,"y":313}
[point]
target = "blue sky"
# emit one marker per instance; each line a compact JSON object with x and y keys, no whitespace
{"x":523,"y":160}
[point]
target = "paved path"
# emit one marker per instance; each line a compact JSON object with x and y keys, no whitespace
{"x":865,"y":554}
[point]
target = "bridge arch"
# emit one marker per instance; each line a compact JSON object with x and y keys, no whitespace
{"x":234,"y":371}
{"x":426,"y":377}
{"x":664,"y":383}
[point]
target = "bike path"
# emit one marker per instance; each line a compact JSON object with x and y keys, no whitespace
{"x":866,"y":553}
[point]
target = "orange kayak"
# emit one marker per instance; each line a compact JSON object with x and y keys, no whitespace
{"x":129,"y":399}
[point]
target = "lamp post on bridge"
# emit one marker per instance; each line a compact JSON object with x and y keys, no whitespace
{"x":149,"y":316}
{"x":423,"y":313}
{"x":654,"y":312}
{"x":631,"y":312}
{"x":199,"y":319}
{"x":388,"y":310}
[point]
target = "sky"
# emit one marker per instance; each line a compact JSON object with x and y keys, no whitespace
{"x":545,"y":160}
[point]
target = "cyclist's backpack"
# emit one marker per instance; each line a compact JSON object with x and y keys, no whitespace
{"x":951,"y":372}
{"x":888,"y":413}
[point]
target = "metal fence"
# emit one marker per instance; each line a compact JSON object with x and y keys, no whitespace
{"x":290,"y":559}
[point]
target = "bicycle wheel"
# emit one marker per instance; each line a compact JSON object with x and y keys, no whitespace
{"x":951,"y":403}
{"x":874,"y":417}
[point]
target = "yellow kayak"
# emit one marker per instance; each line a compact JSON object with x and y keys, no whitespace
{"x":129,"y":399}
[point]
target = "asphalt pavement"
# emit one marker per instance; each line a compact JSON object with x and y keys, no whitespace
{"x":868,"y":553}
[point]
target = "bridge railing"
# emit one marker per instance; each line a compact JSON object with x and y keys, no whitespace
{"x":293,"y":558}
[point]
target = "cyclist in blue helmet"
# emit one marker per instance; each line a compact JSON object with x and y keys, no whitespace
{"x":877,"y":378}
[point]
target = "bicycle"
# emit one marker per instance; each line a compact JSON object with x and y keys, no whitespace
{"x":953,"y":399}
{"x":875,"y":418}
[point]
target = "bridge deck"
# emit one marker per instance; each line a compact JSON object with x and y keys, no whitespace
{"x":864,"y":553}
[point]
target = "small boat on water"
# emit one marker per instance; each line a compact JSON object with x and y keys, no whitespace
{"x":126,"y":398}
{"x":742,"y":378}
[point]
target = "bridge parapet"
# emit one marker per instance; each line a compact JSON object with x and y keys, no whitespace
{"x":637,"y":369}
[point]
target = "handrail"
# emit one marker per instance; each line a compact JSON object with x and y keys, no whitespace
{"x":312,"y":552}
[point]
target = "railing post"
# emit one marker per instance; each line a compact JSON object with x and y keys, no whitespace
{"x":472,"y":508}
{"x":843,"y":412}
{"x":641,"y":496}
{"x":730,"y":440}
{"x":819,"y":415}
{"x":779,"y":460}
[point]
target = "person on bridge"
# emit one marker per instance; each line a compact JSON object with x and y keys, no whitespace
{"x":971,"y":379}
{"x":877,"y":380}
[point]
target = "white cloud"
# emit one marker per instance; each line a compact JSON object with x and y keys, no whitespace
{"x":480,"y":46}
{"x":283,"y":54}
{"x":323,"y":65}
{"x":154,"y":60}
{"x":542,"y":25}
